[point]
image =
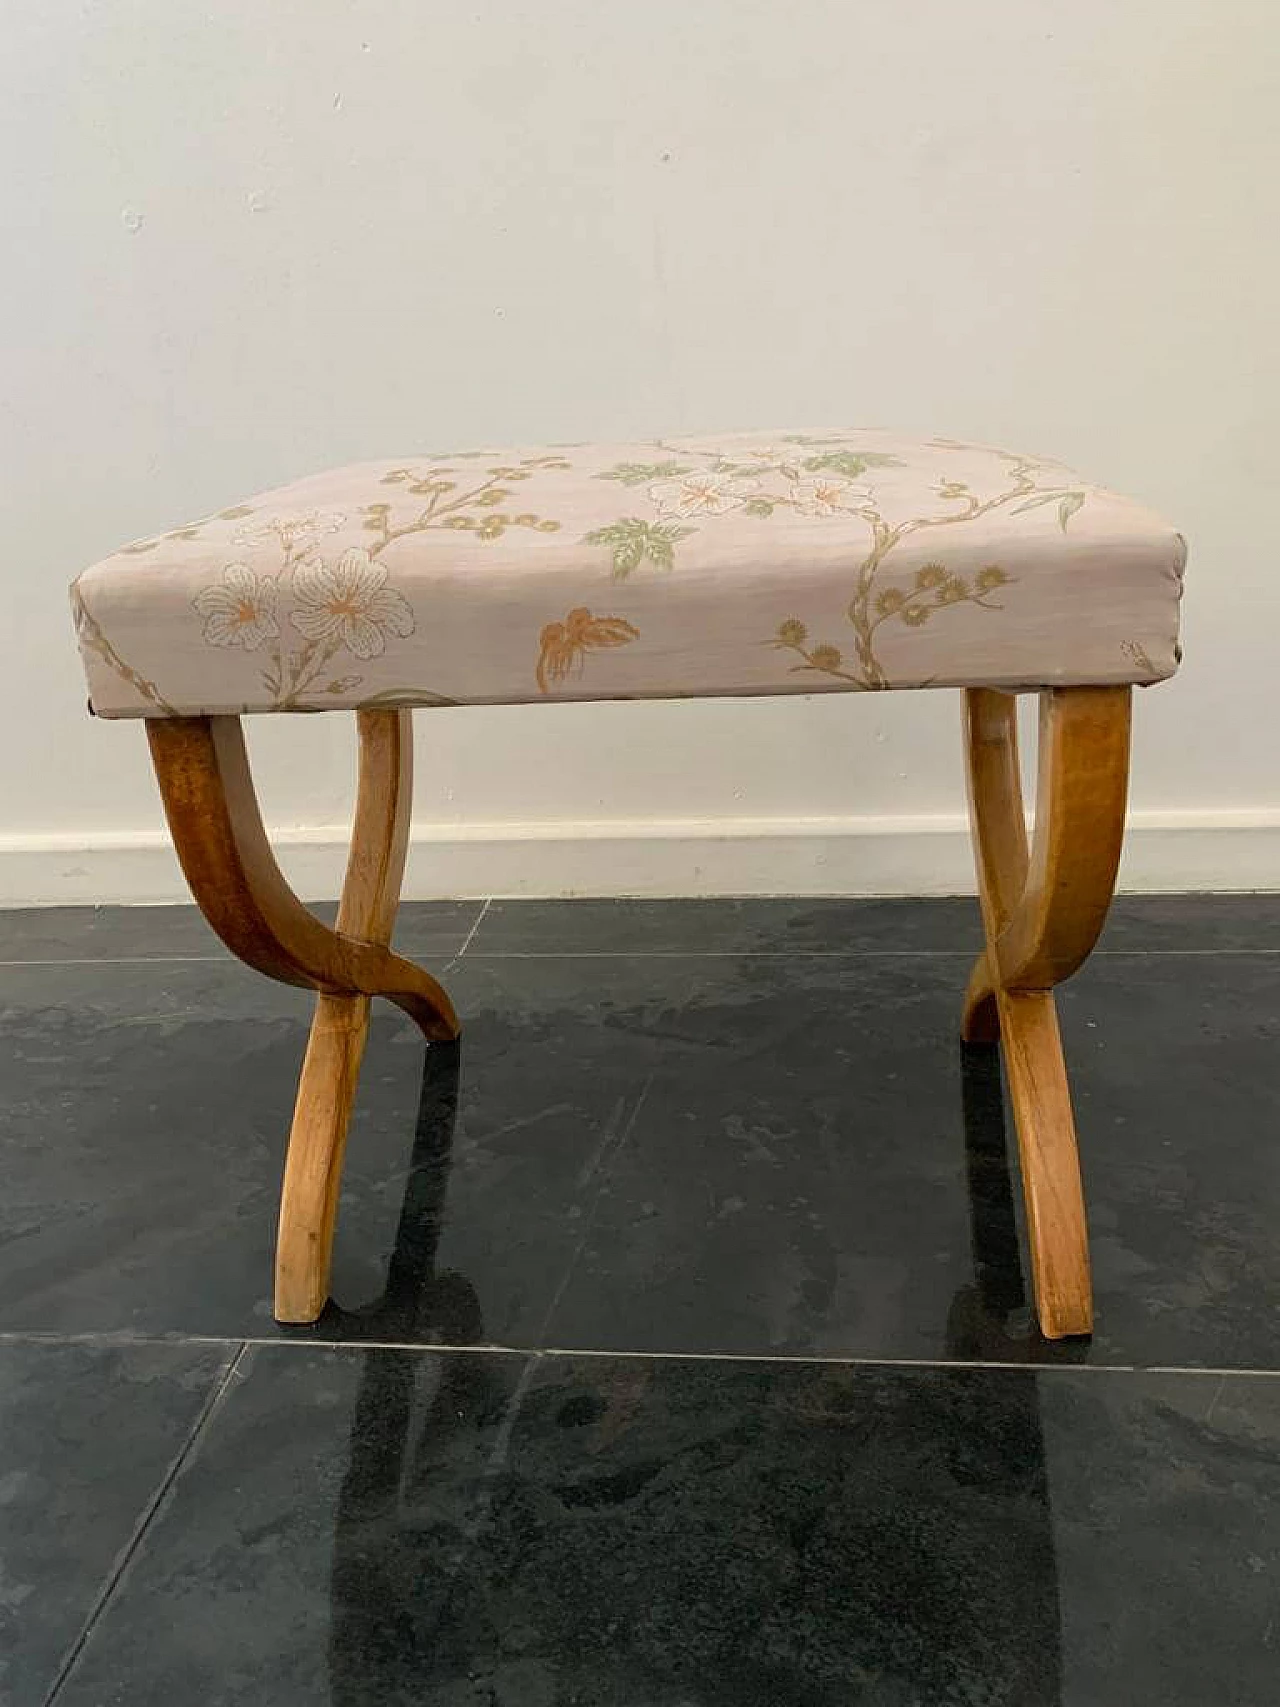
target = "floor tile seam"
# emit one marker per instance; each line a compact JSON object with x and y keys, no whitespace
{"x":429,"y":945}
{"x":107,"y":1338}
{"x":922,"y":1363}
{"x":842,"y":954}
{"x":803,"y":1360}
{"x":726,"y":953}
{"x":151,"y":1509}
{"x":423,"y":949}
{"x":294,"y":1342}
{"x":799,"y":1359}
{"x":846,"y":954}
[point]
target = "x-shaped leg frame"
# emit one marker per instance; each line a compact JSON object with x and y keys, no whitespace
{"x":209,"y":800}
{"x":1043,"y":907}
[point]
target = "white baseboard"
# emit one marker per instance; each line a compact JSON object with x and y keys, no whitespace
{"x":875,"y":855}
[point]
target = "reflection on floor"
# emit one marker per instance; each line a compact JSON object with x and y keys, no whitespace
{"x":681,"y":1351}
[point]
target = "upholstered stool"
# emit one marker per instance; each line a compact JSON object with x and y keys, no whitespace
{"x":742,"y":564}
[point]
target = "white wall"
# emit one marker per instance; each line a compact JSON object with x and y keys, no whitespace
{"x":241,"y":241}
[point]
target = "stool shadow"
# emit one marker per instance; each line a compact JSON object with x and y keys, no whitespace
{"x":395,"y":1540}
{"x":419,"y":1306}
{"x":992,"y":1319}
{"x":416,"y":1602}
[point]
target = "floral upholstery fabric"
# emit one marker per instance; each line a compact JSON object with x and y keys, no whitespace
{"x":758,"y":563}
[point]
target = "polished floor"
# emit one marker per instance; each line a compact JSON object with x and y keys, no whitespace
{"x":679,"y":1354}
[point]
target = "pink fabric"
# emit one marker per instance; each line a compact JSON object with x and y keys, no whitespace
{"x":757,"y":563}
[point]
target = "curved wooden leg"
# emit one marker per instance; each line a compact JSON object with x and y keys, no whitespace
{"x":1042,"y":910}
{"x":313,"y":1161}
{"x":217,"y":829}
{"x":335,"y":1048}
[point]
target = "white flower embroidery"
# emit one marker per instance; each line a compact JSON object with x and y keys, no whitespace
{"x":293,"y":532}
{"x":349,"y":603}
{"x":240,"y":611}
{"x":700,"y":494}
{"x":825,"y":494}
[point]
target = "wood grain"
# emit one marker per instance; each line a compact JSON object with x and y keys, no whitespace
{"x":312,"y":1182}
{"x":331,"y":1067}
{"x":1043,"y":909}
{"x":209,"y":801}
{"x":1057,"y":1227}
{"x":217,"y":829}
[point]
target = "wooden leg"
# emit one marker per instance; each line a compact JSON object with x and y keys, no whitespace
{"x":208,"y":795}
{"x":1042,"y":910}
{"x":331,"y":1066}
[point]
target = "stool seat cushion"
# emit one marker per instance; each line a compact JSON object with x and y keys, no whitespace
{"x":755,"y":563}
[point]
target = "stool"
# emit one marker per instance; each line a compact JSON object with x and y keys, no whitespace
{"x":757,"y":563}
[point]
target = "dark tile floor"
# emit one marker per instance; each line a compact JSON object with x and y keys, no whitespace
{"x":680,"y":1353}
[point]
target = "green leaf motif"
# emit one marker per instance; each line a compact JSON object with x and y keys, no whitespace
{"x":758,"y":507}
{"x":852,"y":464}
{"x":637,"y":473}
{"x":661,"y":541}
{"x":631,"y":540}
{"x":1068,"y":507}
{"x":1033,"y":502}
{"x":628,"y":554}
{"x":870,"y":458}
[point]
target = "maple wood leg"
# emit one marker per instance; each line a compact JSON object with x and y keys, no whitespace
{"x":204,"y":777}
{"x":1043,"y":907}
